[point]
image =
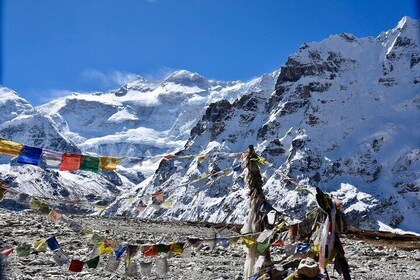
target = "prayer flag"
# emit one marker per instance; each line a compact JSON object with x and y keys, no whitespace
{"x":202,"y":157}
{"x":167,"y":204}
{"x":146,"y":268}
{"x":51,"y":159}
{"x":10,"y":148}
{"x":163,"y":248}
{"x":278,"y":243}
{"x":103,"y":249}
{"x":93,"y":263}
{"x":159,"y":196}
{"x":224,"y":241}
{"x":53,"y":243}
{"x":30,"y":155}
{"x":54,"y":215}
{"x":40,"y":245}
{"x":112,"y":264}
{"x":120,"y":252}
{"x":7,"y":252}
{"x":195,"y":242}
{"x":162,"y":266}
{"x":76,"y":266}
{"x":109,"y":242}
{"x":262,"y":248}
{"x":109,"y":163}
{"x":141,"y":207}
{"x":169,"y":157}
{"x":150,"y":250}
{"x":96,"y":238}
{"x":249,"y":241}
{"x":265,"y":235}
{"x":89,"y":163}
{"x":40,"y":206}
{"x":156,"y":206}
{"x":131,"y":269}
{"x":60,"y":257}
{"x":70,"y":162}
{"x":75,"y":226}
{"x":303,"y":248}
{"x":132,"y":250}
{"x":177,"y":248}
{"x":23,"y":250}
{"x":234,"y":240}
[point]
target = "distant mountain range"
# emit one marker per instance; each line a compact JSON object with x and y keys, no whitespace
{"x":341,"y":114}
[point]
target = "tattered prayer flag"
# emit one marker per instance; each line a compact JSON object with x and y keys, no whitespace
{"x":262,"y":248}
{"x":132,"y":250}
{"x":278,"y":243}
{"x":265,"y":235}
{"x":177,"y":248}
{"x":109,"y":242}
{"x":93,"y":263}
{"x":87,"y":231}
{"x":96,"y":238}
{"x":23,"y":250}
{"x":249,"y":241}
{"x":7,"y":252}
{"x":159,"y":196}
{"x":75,"y":226}
{"x":263,"y":161}
{"x":89,"y":163}
{"x":162,"y":266}
{"x":54,"y":215}
{"x":109,"y":163}
{"x":141,"y":207}
{"x":40,"y":206}
{"x":131,"y":269}
{"x":51,"y":159}
{"x":70,"y":162}
{"x":120,"y":252}
{"x":10,"y":148}
{"x":195,"y":242}
{"x":167,"y":204}
{"x":203,"y":176}
{"x":112,"y":264}
{"x":156,"y":206}
{"x":76,"y":266}
{"x":234,"y":240}
{"x":146,"y":268}
{"x":303,"y":248}
{"x":163,"y":248}
{"x":169,"y":157}
{"x":103,"y":249}
{"x":202,"y":157}
{"x":60,"y":257}
{"x":30,"y":155}
{"x":41,"y":245}
{"x":53,"y":243}
{"x":150,"y":250}
{"x":224,"y":241}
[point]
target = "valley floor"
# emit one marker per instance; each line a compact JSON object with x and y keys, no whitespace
{"x":368,"y":259}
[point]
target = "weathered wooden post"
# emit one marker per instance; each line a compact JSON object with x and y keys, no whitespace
{"x":255,"y":220}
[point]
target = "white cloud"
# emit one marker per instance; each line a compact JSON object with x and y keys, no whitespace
{"x":109,"y":80}
{"x":53,"y":94}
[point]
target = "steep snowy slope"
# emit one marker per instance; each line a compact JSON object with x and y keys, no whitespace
{"x":343,"y":117}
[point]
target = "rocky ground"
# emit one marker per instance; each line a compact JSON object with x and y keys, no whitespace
{"x":369,"y":258}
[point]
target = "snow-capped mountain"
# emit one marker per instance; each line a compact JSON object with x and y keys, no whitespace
{"x":340,"y":114}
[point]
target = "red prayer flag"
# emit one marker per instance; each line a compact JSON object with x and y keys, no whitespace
{"x":76,"y":266}
{"x":7,"y":252}
{"x":278,"y":243}
{"x":150,"y":251}
{"x":70,"y":162}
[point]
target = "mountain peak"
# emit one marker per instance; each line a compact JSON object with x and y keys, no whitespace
{"x":407,"y":21}
{"x":187,"y":78}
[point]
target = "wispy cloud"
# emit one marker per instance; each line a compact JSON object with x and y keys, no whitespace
{"x":108,"y":80}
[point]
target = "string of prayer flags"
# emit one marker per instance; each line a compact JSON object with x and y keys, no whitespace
{"x":10,"y":148}
{"x":51,"y":159}
{"x":76,"y":265}
{"x":167,"y":204}
{"x":70,"y":162}
{"x":202,"y":157}
{"x":93,"y":263}
{"x":30,"y":155}
{"x":89,"y":163}
{"x":109,"y":163}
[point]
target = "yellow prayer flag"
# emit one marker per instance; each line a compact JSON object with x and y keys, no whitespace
{"x":104,"y":249}
{"x":41,"y":245}
{"x":167,"y":204}
{"x":249,"y":241}
{"x":109,"y":163}
{"x":10,"y":148}
{"x":202,"y":157}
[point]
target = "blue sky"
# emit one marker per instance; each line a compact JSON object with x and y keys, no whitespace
{"x":51,"y":47}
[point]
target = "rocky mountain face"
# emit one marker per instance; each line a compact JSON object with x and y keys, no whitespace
{"x":340,"y":114}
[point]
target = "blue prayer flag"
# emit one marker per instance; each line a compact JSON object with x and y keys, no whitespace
{"x":53,"y":243}
{"x":30,"y":155}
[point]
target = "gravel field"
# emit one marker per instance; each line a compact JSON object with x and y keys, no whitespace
{"x":368,"y":259}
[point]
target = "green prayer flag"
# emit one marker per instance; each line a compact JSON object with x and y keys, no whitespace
{"x":90,"y":164}
{"x":262,"y":248}
{"x":96,"y":238}
{"x":163,"y":248}
{"x":23,"y":250}
{"x":93,"y":263}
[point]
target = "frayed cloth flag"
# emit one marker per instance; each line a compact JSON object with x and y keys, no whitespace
{"x":75,"y":226}
{"x":146,"y":268}
{"x":109,"y":163}
{"x":60,"y":257}
{"x":96,"y":238}
{"x":10,"y":148}
{"x":40,"y":206}
{"x":132,"y":251}
{"x":262,"y":248}
{"x":41,"y":245}
{"x":303,"y":248}
{"x":112,"y":264}
{"x":103,"y":249}
{"x":93,"y":263}
{"x":162,"y":266}
{"x":51,"y":159}
{"x":163,"y":248}
{"x":167,"y":204}
{"x":249,"y":241}
{"x":89,"y":163}
{"x":30,"y":155}
{"x":195,"y":242}
{"x":23,"y":250}
{"x":159,"y":196}
{"x":224,"y":241}
{"x":177,"y":248}
{"x":54,"y":215}
{"x":120,"y":252}
{"x":131,"y":269}
{"x":7,"y":252}
{"x":278,"y":243}
{"x":53,"y":243}
{"x":70,"y":162}
{"x":76,"y":266}
{"x":150,"y":250}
